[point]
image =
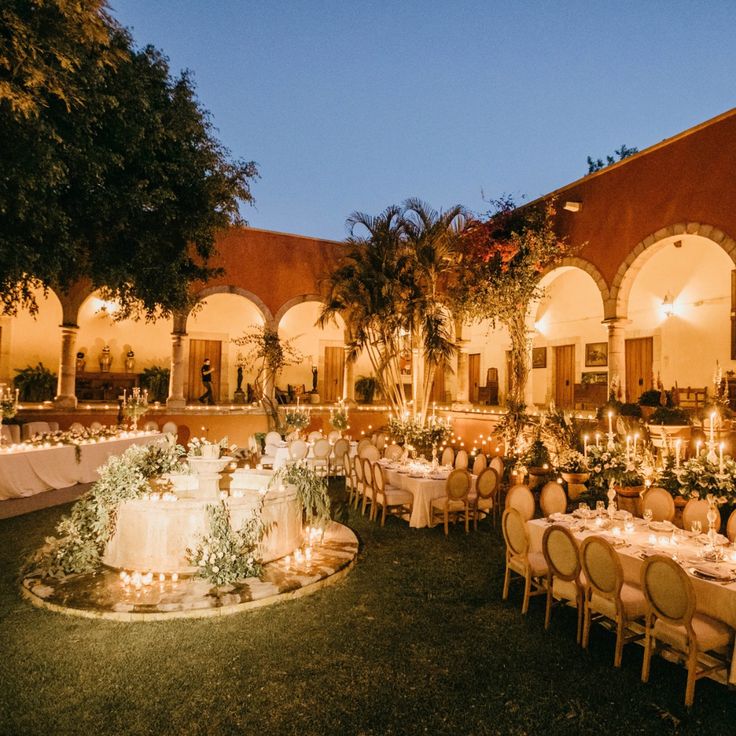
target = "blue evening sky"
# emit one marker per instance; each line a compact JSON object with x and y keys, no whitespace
{"x":349,"y":105}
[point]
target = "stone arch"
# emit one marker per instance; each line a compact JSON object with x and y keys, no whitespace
{"x":566,"y":263}
{"x":284,"y":308}
{"x":226,"y":289}
{"x":617,"y":304}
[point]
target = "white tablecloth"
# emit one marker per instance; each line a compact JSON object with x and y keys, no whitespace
{"x":423,"y":490}
{"x":28,"y":472}
{"x":713,"y":598}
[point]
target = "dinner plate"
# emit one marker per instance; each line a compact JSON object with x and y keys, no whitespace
{"x":661,"y":526}
{"x":718,"y":576}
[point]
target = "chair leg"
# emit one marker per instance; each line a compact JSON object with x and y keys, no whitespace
{"x":467,"y":519}
{"x":548,"y":610}
{"x":383,"y":514}
{"x":692,"y":666}
{"x":579,"y":630}
{"x":619,"y":650}
{"x":447,"y":523}
{"x":527,"y":592}
{"x":506,"y":581}
{"x":647,"y":661}
{"x":586,"y":623}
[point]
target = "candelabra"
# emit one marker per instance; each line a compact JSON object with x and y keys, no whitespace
{"x":135,"y":405}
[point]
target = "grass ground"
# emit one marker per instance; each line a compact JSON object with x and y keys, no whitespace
{"x":416,"y":640}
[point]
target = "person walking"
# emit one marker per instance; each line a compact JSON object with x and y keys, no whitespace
{"x":206,"y":372}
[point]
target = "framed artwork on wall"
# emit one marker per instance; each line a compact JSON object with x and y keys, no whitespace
{"x":596,"y":354}
{"x":539,"y":357}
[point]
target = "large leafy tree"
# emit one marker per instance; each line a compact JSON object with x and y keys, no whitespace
{"x":120,"y":184}
{"x":391,"y":289}
{"x":507,"y":253}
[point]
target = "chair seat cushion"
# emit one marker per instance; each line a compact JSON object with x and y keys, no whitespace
{"x":566,"y":589}
{"x":710,"y":633}
{"x":634,"y":603}
{"x":442,"y":501}
{"x":536,"y":564}
{"x":396,"y":497}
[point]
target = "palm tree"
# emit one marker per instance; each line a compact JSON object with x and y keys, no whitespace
{"x":391,"y":288}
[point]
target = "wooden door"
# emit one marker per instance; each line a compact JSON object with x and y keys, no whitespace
{"x":639,"y":359}
{"x":565,"y":376}
{"x":473,"y":377}
{"x":438,"y":385}
{"x":198,"y":351}
{"x":334,"y":373}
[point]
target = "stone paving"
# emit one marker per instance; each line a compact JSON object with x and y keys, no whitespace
{"x":104,"y":595}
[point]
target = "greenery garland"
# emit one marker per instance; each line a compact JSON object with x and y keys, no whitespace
{"x":311,"y":490}
{"x":85,"y":532}
{"x":225,"y":555}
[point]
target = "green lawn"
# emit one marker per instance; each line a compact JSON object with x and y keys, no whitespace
{"x":415,"y":641}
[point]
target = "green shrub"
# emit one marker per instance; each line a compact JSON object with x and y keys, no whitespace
{"x":35,"y":383}
{"x":156,"y":381}
{"x":671,"y":416}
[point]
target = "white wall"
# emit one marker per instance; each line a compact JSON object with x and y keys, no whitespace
{"x":25,"y":340}
{"x":686,"y":345}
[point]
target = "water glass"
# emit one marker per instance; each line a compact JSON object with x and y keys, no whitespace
{"x":600,"y":507}
{"x":696,"y":527}
{"x":648,"y":514}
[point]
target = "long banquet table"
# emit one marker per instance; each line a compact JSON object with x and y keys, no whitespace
{"x":26,"y":471}
{"x":423,"y":489}
{"x":714,"y":598}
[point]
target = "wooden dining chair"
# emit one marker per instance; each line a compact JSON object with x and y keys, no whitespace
{"x":461,"y":460}
{"x":672,"y":623}
{"x":393,"y":452}
{"x":521,"y":498}
{"x":368,"y":489}
{"x":340,"y":447}
{"x":479,"y":463}
{"x":359,"y":484}
{"x":660,"y":502}
{"x":320,"y":459}
{"x":314,"y":435}
{"x":553,"y":499}
{"x":560,"y":551}
{"x":392,"y":500}
{"x":484,"y":499}
{"x":448,"y":456}
{"x":298,"y":450}
{"x":696,"y":509}
{"x":370,"y":452}
{"x":731,"y":527}
{"x":530,"y":566}
{"x":454,"y":503}
{"x":607,"y":596}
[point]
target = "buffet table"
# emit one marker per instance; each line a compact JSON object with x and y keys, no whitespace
{"x":28,"y":470}
{"x":715,"y":598}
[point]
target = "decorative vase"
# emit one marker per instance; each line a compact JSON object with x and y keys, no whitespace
{"x":628,"y":498}
{"x":575,"y":484}
{"x":105,"y":360}
{"x":129,"y":364}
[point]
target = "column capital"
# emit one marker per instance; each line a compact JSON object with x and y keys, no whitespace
{"x":612,"y":322}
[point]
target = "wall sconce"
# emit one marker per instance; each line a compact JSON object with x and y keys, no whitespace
{"x":668,"y":305}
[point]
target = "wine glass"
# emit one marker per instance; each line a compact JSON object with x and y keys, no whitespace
{"x":648,"y":514}
{"x":583,"y":508}
{"x":600,"y":507}
{"x":696,"y":526}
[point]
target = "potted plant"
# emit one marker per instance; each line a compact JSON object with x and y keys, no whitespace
{"x":573,"y":467}
{"x":651,"y":400}
{"x":668,"y":424}
{"x":35,"y":383}
{"x":156,"y":380}
{"x":537,"y":462}
{"x":365,"y":387}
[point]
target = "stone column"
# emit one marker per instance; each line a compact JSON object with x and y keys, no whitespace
{"x":66,"y":396}
{"x":176,"y":398}
{"x":462,"y":400}
{"x":617,"y":352}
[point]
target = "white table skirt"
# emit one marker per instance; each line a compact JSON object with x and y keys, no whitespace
{"x":423,"y":490}
{"x":28,"y":472}
{"x":713,"y":598}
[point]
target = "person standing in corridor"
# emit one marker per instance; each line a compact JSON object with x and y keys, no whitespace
{"x":206,"y":372}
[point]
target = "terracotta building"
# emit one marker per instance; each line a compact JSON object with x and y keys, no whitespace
{"x":649,"y":294}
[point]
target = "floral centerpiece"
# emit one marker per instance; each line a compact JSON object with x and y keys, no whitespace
{"x":202,"y":447}
{"x":8,"y":405}
{"x":135,"y":405}
{"x":420,"y":436}
{"x":700,"y":477}
{"x":572,"y":462}
{"x":297,"y":418}
{"x":339,"y":416}
{"x":619,"y":467}
{"x":74,"y":437}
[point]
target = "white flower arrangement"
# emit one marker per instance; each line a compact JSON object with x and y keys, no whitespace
{"x":339,"y":416}
{"x":297,"y":418}
{"x":202,"y":447}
